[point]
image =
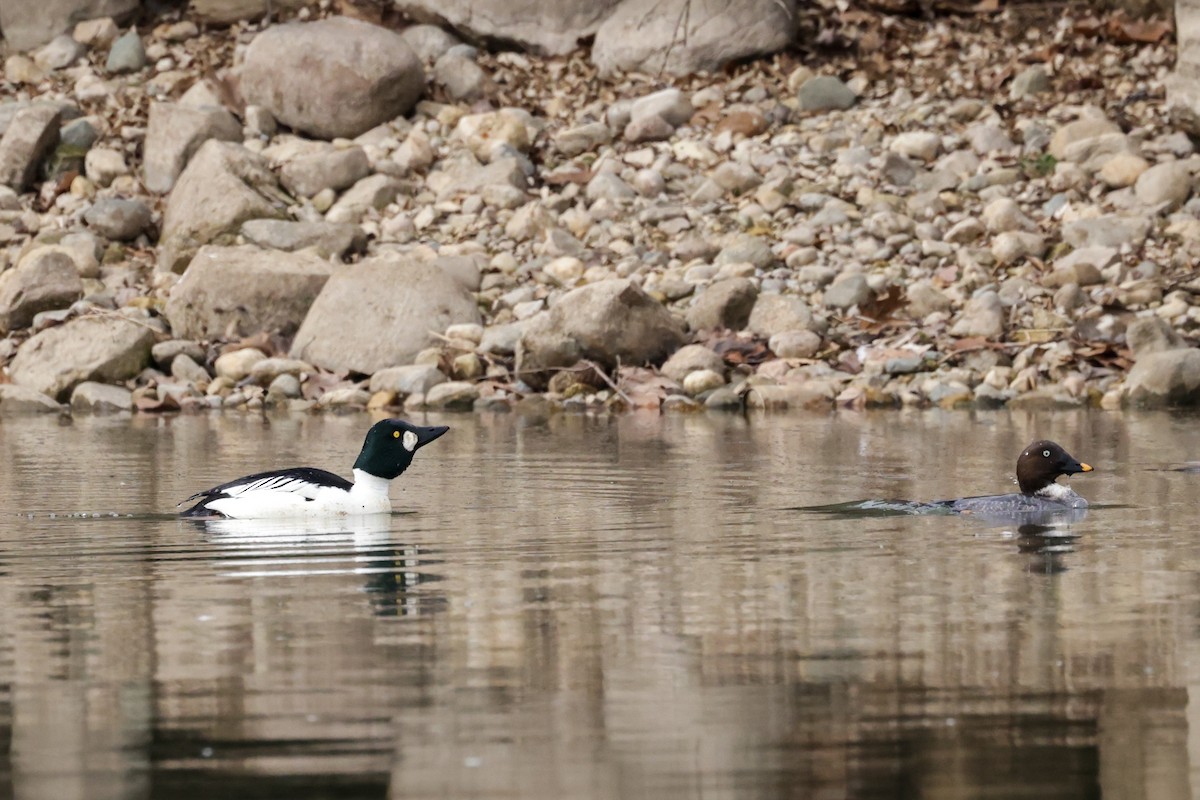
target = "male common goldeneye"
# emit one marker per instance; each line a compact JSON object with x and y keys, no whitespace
{"x":1038,"y":469}
{"x":306,"y":491}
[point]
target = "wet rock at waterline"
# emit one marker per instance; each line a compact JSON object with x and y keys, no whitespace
{"x":105,"y":348}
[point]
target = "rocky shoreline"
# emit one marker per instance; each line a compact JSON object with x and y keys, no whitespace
{"x":970,"y":212}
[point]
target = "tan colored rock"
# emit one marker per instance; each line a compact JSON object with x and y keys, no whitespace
{"x":103,"y":348}
{"x":334,"y":77}
{"x":44,"y":279}
{"x":223,"y":186}
{"x":381,"y":313}
{"x":243,"y":290}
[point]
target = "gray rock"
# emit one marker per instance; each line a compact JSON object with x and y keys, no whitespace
{"x":100,"y":398}
{"x":724,"y":304}
{"x":164,"y":353}
{"x":174,"y":133}
{"x":59,"y":52}
{"x":78,"y":133}
{"x":795,"y":344}
{"x":185,"y":369}
{"x":452,"y":396}
{"x":334,"y":77}
{"x":465,"y":175}
{"x":429,"y":42}
{"x":285,"y":385}
{"x":746,"y":248}
{"x":987,"y":138}
{"x":608,"y":321}
{"x":1148,"y":335}
{"x":500,"y":339}
{"x":669,"y":105}
{"x":679,"y":37}
{"x":1165,"y":378}
{"x":102,"y":165}
{"x":648,"y":129}
{"x":608,"y":186}
{"x":1167,"y":184}
{"x":240,"y":291}
{"x":89,"y":348}
{"x":1030,"y":81}
{"x":46,"y":278}
{"x":268,"y":369}
{"x":118,"y":219}
{"x":222,"y":187}
{"x":331,"y":168}
{"x":982,"y":316}
{"x":689,"y":359}
{"x":462,"y":78}
{"x":734,"y":177}
{"x":464,"y":269}
{"x":372,"y":192}
{"x":825,"y":93}
{"x":1069,"y":136}
{"x":406,"y":380}
{"x":381,"y":313}
{"x":27,"y":25}
{"x":924,"y":299}
{"x":849,"y":290}
{"x":582,"y":138}
{"x":32,"y":133}
{"x":16,"y":400}
{"x":776,"y":313}
{"x":127,"y":54}
{"x":549,"y":28}
{"x":1108,"y":230}
{"x":327,"y":239}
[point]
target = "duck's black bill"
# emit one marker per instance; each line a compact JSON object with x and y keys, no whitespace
{"x":427,"y":435}
{"x":1078,"y":466}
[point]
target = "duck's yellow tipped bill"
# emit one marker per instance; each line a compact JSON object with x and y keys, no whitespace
{"x":1086,"y":467}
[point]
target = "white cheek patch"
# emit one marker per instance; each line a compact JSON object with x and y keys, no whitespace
{"x":410,"y":441}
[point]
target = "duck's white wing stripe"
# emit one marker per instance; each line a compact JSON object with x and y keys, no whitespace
{"x":275,"y":483}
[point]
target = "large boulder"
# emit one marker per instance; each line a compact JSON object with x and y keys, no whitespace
{"x":335,"y":77}
{"x":684,"y":36}
{"x":549,"y":28}
{"x":1165,"y":378}
{"x":239,"y":291}
{"x":1183,"y":85}
{"x":381,"y":313}
{"x":44,"y":279}
{"x":174,"y":132}
{"x":27,"y":139}
{"x":94,"y":348}
{"x":608,"y":322}
{"x":16,"y":400}
{"x":223,"y":186}
{"x":28,"y":24}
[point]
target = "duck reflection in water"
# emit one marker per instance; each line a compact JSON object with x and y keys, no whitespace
{"x":395,"y":575}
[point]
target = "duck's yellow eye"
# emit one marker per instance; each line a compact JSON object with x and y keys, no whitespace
{"x":395,"y":434}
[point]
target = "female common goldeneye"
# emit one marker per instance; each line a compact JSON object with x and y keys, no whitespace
{"x":306,"y":491}
{"x":1038,"y":469}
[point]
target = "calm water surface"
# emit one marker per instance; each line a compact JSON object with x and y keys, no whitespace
{"x":601,"y":608}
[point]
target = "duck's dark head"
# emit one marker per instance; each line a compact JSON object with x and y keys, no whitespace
{"x":390,"y":445}
{"x":1042,"y":462}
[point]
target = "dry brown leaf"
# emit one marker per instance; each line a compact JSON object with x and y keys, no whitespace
{"x":1136,"y":31}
